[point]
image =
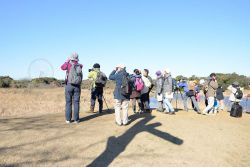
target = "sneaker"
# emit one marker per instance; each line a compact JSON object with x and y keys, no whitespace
{"x":92,"y":109}
{"x":118,"y":124}
{"x":77,"y":122}
{"x":68,"y":122}
{"x":205,"y":113}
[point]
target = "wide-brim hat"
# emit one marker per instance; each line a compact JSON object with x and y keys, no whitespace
{"x":74,"y":57}
{"x":121,"y":66}
{"x":202,"y":81}
{"x":167,"y":71}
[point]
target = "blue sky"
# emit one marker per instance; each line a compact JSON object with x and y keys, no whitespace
{"x":188,"y":36}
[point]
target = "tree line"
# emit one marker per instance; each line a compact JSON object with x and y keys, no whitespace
{"x":224,"y":80}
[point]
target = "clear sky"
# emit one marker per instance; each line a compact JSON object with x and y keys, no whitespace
{"x":188,"y":36}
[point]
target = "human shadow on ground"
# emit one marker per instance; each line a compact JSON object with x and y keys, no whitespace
{"x":96,"y":115}
{"x":117,"y":145}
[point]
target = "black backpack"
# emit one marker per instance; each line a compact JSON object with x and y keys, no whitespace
{"x":236,"y":110}
{"x":126,"y":87}
{"x":239,"y":94}
{"x":101,"y":80}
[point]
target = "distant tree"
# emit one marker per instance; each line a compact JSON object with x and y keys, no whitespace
{"x":193,"y":77}
{"x":5,"y":81}
{"x":179,"y":77}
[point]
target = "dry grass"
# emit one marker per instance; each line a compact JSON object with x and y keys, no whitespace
{"x":17,"y":102}
{"x":38,"y":136}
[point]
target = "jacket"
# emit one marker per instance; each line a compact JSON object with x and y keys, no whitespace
{"x":184,"y":85}
{"x":159,"y":85}
{"x":167,"y":84}
{"x":146,"y":88}
{"x":211,"y":88}
{"x":219,"y":94}
{"x":117,"y":77}
{"x":233,"y":90}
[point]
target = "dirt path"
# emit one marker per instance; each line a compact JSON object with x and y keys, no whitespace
{"x":186,"y":139}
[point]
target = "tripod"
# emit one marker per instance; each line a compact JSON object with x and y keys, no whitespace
{"x":177,"y":92}
{"x":106,"y":103}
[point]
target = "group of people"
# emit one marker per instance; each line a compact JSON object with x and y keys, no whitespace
{"x":136,"y":88}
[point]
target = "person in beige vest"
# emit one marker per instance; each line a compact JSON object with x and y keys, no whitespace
{"x":211,"y":88}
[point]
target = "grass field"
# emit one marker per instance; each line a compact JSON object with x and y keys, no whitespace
{"x":33,"y":133}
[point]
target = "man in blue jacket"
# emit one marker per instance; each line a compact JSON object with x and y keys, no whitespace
{"x":121,"y":100}
{"x":183,"y":84}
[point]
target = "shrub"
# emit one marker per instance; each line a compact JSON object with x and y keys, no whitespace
{"x":5,"y":81}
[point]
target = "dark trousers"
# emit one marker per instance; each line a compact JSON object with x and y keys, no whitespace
{"x":72,"y":93}
{"x":97,"y":93}
{"x":145,"y":102}
{"x":134,"y":103}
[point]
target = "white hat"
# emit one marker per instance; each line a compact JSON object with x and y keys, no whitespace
{"x":74,"y":57}
{"x":202,"y":81}
{"x":121,"y":66}
{"x":167,"y":71}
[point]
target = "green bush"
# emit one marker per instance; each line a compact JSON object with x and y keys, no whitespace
{"x":20,"y":83}
{"x":5,"y":81}
{"x":45,"y":82}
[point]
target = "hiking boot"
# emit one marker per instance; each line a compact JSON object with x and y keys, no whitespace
{"x":100,"y":109}
{"x":204,"y":113}
{"x":148,"y":111}
{"x":92,"y":109}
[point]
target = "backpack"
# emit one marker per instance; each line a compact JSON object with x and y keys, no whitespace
{"x":139,"y":84}
{"x":238,"y":94}
{"x":101,"y":80}
{"x":75,"y":74}
{"x":125,"y":87}
{"x":236,"y":110}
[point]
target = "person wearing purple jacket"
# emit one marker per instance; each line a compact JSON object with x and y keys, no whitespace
{"x":73,"y":81}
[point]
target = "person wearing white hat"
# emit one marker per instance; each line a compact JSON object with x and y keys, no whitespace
{"x":121,"y":77}
{"x":168,"y":91}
